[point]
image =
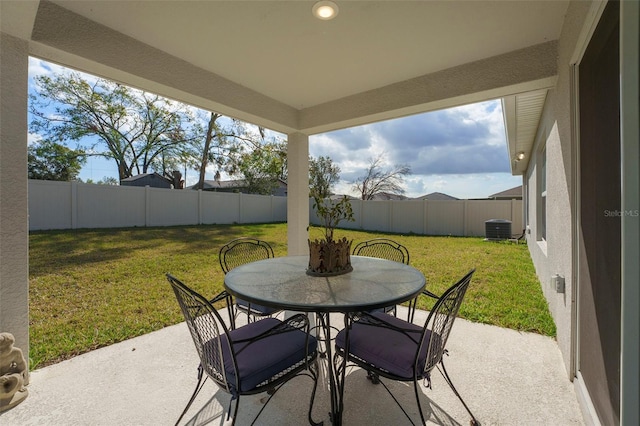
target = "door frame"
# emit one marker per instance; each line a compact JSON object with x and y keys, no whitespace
{"x":630,"y":153}
{"x":590,"y":24}
{"x":630,"y":200}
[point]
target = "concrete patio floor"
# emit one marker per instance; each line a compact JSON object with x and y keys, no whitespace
{"x":506,"y":377}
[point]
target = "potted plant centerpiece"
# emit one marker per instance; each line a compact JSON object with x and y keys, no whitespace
{"x":328,"y":256}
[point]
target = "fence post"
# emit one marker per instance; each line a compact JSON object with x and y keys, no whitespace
{"x":465,"y":218}
{"x":199,"y":206}
{"x":271,"y":200}
{"x":74,"y":204}
{"x":240,"y":215}
{"x":146,"y":206}
{"x":425,"y":216}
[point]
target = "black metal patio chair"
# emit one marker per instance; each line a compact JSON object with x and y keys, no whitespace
{"x":391,"y":348}
{"x":238,"y":252}
{"x":384,"y":248}
{"x":258,"y":357}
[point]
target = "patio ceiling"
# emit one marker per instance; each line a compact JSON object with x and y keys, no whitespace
{"x":274,"y":64}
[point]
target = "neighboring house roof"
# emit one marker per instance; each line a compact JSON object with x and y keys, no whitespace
{"x":385,"y":196}
{"x":510,"y":194}
{"x":437,"y":196}
{"x":144,"y":179}
{"x":381,"y":196}
{"x":339,"y":197}
{"x":237,"y":185}
{"x":142,"y":176}
{"x":222,"y":184}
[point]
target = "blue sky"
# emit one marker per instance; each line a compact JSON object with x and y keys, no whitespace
{"x":460,"y":151}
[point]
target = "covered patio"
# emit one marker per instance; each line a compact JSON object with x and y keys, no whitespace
{"x":273,"y":64}
{"x":506,"y":377}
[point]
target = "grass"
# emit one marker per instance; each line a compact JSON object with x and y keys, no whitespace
{"x":93,"y":288}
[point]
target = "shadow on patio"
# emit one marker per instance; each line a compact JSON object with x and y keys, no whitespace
{"x":506,"y":377}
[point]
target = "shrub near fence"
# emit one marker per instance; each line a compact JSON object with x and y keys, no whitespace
{"x":73,"y":205}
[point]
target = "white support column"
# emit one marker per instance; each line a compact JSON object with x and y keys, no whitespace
{"x":298,"y":194}
{"x":14,"y":205}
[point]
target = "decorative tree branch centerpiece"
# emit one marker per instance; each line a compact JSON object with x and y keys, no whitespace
{"x":328,"y":257}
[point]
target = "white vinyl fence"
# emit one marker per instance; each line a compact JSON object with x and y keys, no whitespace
{"x":72,"y":205}
{"x":425,"y":217}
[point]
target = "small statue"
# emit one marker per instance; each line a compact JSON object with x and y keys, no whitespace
{"x":13,"y":373}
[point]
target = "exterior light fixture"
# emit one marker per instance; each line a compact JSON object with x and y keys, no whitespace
{"x":325,"y":10}
{"x":520,"y":156}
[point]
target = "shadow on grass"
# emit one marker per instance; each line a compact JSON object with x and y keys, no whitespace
{"x":88,"y":246}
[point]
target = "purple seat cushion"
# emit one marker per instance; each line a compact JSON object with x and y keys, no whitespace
{"x":264,"y":310}
{"x":385,"y":348}
{"x":265,"y":357}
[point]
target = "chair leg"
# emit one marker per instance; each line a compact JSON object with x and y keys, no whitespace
{"x":373,"y":377}
{"x":231,"y":312}
{"x":417,"y":393}
{"x":321,"y":334}
{"x":412,"y":309}
{"x":195,"y":393}
{"x":235,"y":411}
{"x":313,"y":374}
{"x":249,"y":314}
{"x":474,"y":421}
{"x":398,"y":402}
{"x":313,"y":369}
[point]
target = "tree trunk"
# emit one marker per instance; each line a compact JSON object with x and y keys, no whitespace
{"x":205,"y":151}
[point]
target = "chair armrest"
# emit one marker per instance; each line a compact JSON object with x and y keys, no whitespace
{"x":429,"y":294}
{"x":224,"y":294}
{"x":228,"y":298}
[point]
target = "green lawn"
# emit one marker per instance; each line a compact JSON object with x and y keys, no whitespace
{"x":92,"y":288}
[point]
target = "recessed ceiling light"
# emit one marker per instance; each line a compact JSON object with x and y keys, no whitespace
{"x":325,"y":10}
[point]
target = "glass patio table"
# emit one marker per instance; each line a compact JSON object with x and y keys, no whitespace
{"x":282,"y":282}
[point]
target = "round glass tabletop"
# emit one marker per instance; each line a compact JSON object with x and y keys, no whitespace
{"x":282,"y":282}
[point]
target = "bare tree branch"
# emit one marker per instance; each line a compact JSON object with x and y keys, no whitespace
{"x":377,"y":180}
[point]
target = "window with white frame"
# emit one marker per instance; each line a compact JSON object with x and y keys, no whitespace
{"x":541,"y":216}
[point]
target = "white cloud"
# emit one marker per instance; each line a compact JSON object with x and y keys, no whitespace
{"x":33,"y":138}
{"x":40,"y":67}
{"x":460,"y":151}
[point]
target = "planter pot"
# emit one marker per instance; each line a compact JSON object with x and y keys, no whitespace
{"x":329,"y":258}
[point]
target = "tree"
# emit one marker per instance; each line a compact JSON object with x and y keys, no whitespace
{"x":136,"y":129}
{"x":377,"y":180}
{"x":108,"y":180}
{"x":263,"y":167}
{"x":51,"y":161}
{"x":213,"y":131}
{"x":227,"y":144}
{"x":323,"y":175}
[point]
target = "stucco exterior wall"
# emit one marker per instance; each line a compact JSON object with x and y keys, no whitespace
{"x":14,"y":234}
{"x":555,"y":255}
